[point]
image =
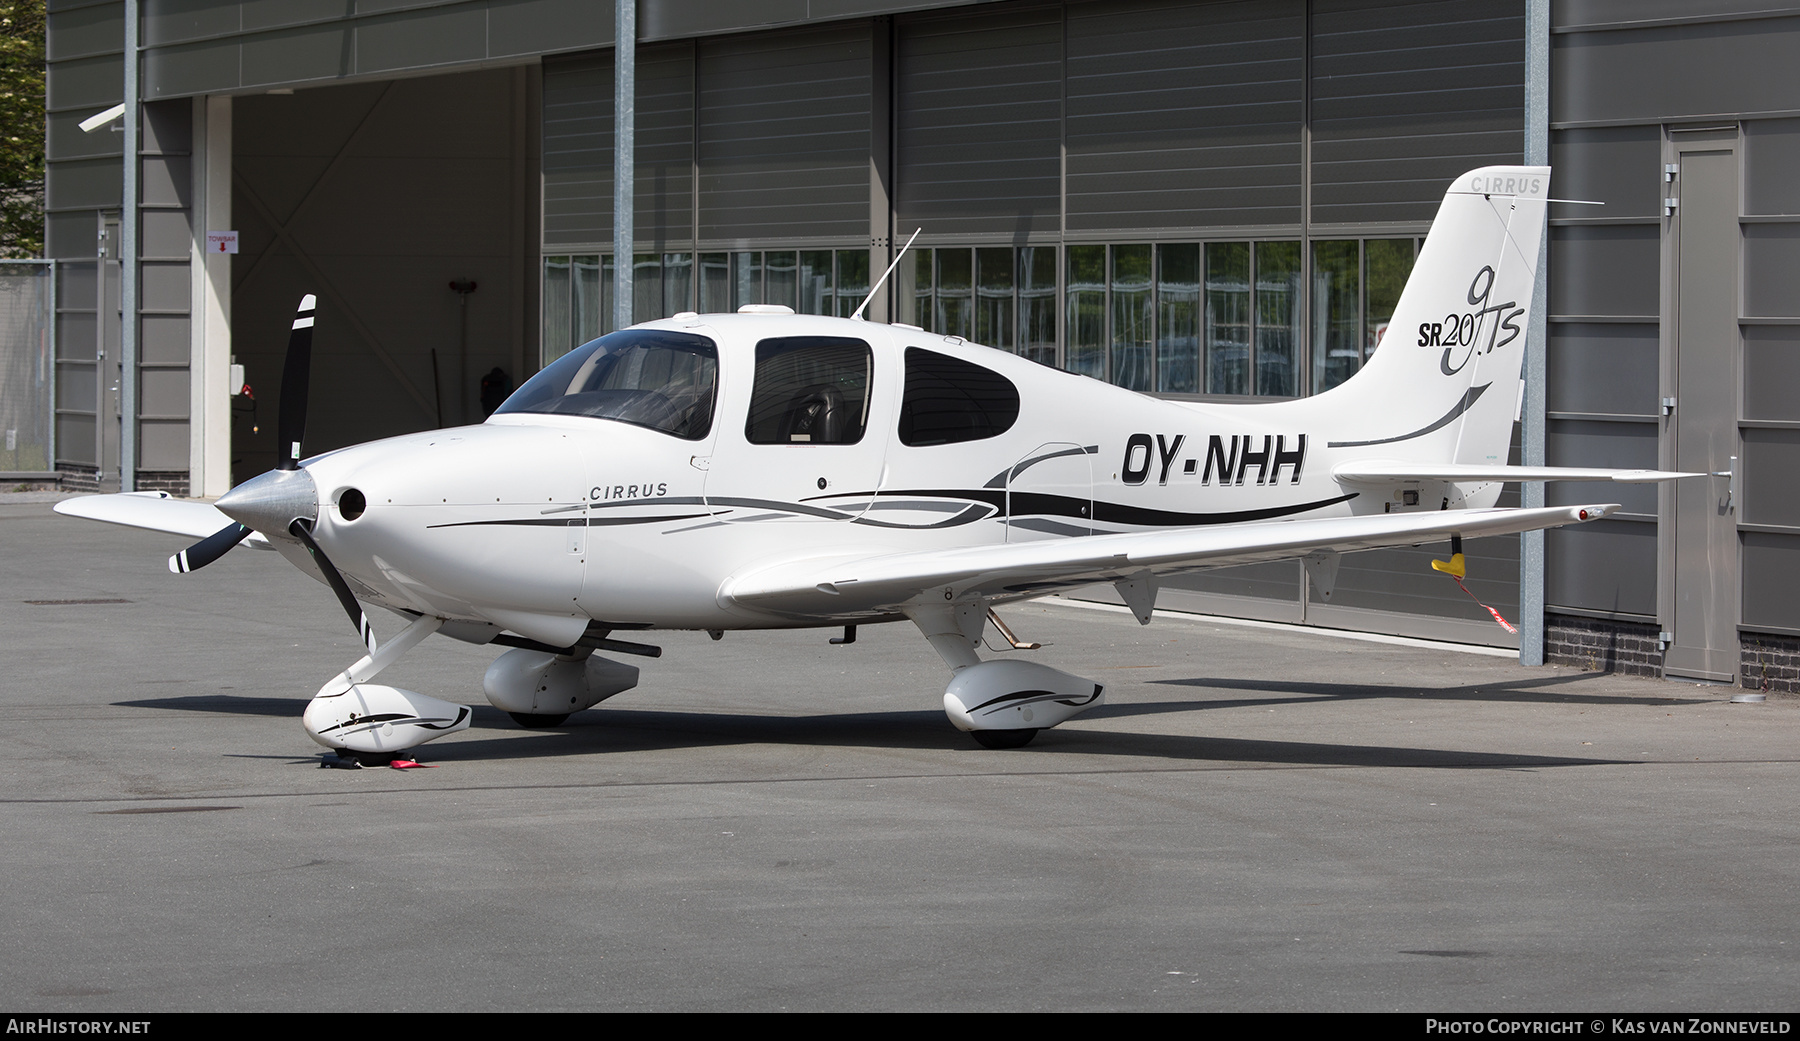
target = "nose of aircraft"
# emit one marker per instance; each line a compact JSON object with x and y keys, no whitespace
{"x":272,"y":501}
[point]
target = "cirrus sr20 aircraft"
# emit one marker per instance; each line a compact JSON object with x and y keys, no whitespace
{"x":767,"y":470}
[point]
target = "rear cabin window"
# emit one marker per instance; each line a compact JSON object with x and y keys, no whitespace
{"x":810,"y":390}
{"x":949,"y":401}
{"x":653,"y":378}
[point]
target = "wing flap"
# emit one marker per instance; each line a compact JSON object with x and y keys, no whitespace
{"x":886,"y":583}
{"x":1382,"y":471}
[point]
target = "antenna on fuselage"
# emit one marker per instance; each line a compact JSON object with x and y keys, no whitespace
{"x":857,"y":315}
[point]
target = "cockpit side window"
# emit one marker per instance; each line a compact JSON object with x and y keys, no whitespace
{"x":810,"y":390}
{"x":666,"y":381}
{"x":949,"y":401}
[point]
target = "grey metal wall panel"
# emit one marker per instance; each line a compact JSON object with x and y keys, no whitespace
{"x":979,"y":121}
{"x":167,"y":235}
{"x":1771,"y":155}
{"x":273,"y":14}
{"x":1279,"y":580}
{"x":1405,"y":96}
{"x":164,"y":392}
{"x":1669,"y":72}
{"x":91,"y":83}
{"x":163,"y":287}
{"x":177,"y":21}
{"x":664,"y":136}
{"x":81,"y":31}
{"x":1605,"y":270}
{"x":547,"y":26}
{"x":383,"y":6}
{"x":283,"y":42}
{"x":1628,"y":446}
{"x":166,"y":180}
{"x":578,"y":148}
{"x":1402,"y":581}
{"x":66,"y":140}
{"x":1602,"y":368}
{"x":78,"y":287}
{"x":578,"y":152}
{"x":163,"y":445}
{"x":1771,"y":270}
{"x":1771,"y":476}
{"x":307,"y":53}
{"x":75,"y":390}
{"x":1567,"y":14}
{"x":1602,"y":566}
{"x":1618,"y":166}
{"x":423,"y":38}
{"x":1772,"y":372}
{"x":74,"y":437}
{"x":679,"y":19}
{"x":200,"y":68}
{"x":87,"y":183}
{"x":70,"y":235}
{"x":1771,"y":574}
{"x":1184,"y":115}
{"x":666,"y":21}
{"x":784,"y":135}
{"x":163,"y":340}
{"x":168,"y":128}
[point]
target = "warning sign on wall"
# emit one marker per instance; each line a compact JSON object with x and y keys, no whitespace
{"x":221,"y":242}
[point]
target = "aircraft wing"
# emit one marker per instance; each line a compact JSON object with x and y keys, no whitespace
{"x":1383,"y":471}
{"x":1021,"y":570}
{"x":157,"y":511}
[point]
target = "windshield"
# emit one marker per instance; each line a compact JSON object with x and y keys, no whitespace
{"x":647,"y":377}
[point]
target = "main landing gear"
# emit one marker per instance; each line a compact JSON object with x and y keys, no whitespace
{"x":1002,"y":704}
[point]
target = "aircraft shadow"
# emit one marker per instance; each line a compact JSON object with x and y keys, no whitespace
{"x":615,"y":730}
{"x":1509,"y":692}
{"x":225,"y":704}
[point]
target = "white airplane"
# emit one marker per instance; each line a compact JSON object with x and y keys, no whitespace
{"x":768,"y":470}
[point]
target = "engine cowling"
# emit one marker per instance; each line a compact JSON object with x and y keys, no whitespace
{"x":537,"y":683}
{"x":1017,"y":695}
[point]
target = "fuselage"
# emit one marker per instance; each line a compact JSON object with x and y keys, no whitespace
{"x":823,"y":438}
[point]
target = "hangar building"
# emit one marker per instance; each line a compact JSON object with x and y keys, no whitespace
{"x":1187,"y":198}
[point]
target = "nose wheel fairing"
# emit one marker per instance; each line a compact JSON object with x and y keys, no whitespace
{"x":356,"y":715}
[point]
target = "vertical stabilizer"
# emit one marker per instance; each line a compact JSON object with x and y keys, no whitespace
{"x":1444,"y":383}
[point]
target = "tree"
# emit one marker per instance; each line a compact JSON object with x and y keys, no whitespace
{"x":21,"y":128}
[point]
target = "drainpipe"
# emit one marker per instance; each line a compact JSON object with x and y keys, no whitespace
{"x":1531,"y":433}
{"x":624,"y":157}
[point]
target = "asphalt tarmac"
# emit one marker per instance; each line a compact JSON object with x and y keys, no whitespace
{"x":1257,"y":819}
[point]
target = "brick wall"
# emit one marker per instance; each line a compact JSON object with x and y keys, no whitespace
{"x":175,"y":482}
{"x":79,"y":478}
{"x":1602,"y":645}
{"x":1770,"y":663}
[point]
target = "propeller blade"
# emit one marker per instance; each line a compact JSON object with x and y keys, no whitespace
{"x":303,"y":531}
{"x":290,"y":423}
{"x":208,"y":549}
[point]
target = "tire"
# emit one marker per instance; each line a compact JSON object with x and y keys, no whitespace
{"x":1003,"y":738}
{"x":531,"y":721}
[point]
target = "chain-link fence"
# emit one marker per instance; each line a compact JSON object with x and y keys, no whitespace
{"x":27,"y":366}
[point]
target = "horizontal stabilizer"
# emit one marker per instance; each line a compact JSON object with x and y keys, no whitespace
{"x":157,"y":511}
{"x":1380,"y":471}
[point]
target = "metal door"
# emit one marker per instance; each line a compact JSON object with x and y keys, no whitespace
{"x":109,"y":368}
{"x":1702,"y":431}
